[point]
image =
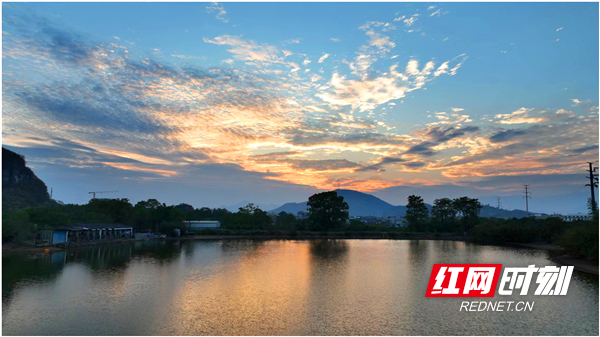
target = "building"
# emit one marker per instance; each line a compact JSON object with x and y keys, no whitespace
{"x":576,"y":217}
{"x":83,"y":233}
{"x":195,"y":224}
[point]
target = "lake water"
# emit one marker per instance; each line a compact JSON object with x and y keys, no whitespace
{"x":322,"y":287}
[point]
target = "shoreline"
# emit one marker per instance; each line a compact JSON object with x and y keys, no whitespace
{"x":314,"y":237}
{"x":11,"y":248}
{"x":581,"y":265}
{"x":578,"y":264}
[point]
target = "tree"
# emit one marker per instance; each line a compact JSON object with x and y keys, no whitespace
{"x":153,"y":214}
{"x":444,"y":212}
{"x":286,"y":221}
{"x":327,"y":210}
{"x":202,"y":213}
{"x":417,"y":213}
{"x":185,"y":208}
{"x":468,"y":210}
{"x":110,"y":210}
{"x":248,"y":209}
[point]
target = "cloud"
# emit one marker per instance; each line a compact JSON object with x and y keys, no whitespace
{"x":556,"y":146}
{"x":372,"y":91}
{"x":584,"y":149}
{"x":452,"y":119}
{"x":521,"y":116}
{"x":217,"y":8}
{"x":379,"y":165}
{"x":292,"y":41}
{"x":411,"y":20}
{"x":323,"y":58}
{"x":188,"y":57}
{"x":436,"y":13}
{"x":437,"y":135}
{"x":248,"y":50}
{"x":585,"y":104}
{"x":323,"y":165}
{"x":503,"y":136}
{"x":333,"y":39}
{"x":261,"y":117}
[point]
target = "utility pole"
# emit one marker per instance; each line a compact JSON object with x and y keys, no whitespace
{"x":499,"y":203}
{"x":593,"y":183}
{"x":51,"y":190}
{"x":527,"y":197}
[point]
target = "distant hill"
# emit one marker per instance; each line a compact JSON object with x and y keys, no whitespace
{"x":20,"y":186}
{"x":493,"y":212}
{"x":363,"y":204}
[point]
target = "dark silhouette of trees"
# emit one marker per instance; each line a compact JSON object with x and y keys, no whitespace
{"x":110,"y":211}
{"x":444,"y":214}
{"x":151,"y":214}
{"x":327,"y":210}
{"x":417,"y":214}
{"x":286,"y":221}
{"x":468,"y":211}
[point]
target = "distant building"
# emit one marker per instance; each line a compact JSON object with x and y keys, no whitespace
{"x":82,"y":233}
{"x":576,"y":217}
{"x":195,"y":224}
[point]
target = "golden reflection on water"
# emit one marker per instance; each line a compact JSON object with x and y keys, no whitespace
{"x":269,"y":280}
{"x":319,"y":287}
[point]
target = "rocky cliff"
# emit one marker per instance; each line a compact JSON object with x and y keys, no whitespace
{"x":20,"y":186}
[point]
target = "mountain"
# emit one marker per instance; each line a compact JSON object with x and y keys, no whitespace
{"x":494,"y":212}
{"x":20,"y":186}
{"x":362,"y":204}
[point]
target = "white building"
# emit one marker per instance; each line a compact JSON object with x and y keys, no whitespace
{"x":195,"y":224}
{"x":576,"y":217}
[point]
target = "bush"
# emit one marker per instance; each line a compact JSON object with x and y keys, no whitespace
{"x":524,"y":230}
{"x":581,"y":241}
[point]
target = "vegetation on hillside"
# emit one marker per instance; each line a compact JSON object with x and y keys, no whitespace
{"x":21,"y":188}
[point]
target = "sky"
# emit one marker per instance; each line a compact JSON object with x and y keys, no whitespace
{"x":212,"y":104}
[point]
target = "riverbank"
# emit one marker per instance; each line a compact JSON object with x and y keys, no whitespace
{"x":578,"y":264}
{"x":323,"y":236}
{"x":13,"y":248}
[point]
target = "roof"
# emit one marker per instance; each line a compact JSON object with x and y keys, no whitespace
{"x":202,"y":221}
{"x":83,"y":227}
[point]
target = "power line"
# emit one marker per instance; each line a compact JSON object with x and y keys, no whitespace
{"x":527,"y":196}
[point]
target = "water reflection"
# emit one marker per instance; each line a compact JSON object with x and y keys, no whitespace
{"x":328,"y":249}
{"x":280,"y":287}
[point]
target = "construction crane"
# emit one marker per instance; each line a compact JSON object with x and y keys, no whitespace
{"x":94,"y":193}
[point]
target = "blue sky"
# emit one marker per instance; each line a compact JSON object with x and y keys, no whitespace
{"x":271,"y":102}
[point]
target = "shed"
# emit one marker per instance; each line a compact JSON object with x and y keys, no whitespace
{"x":90,"y":232}
{"x":195,"y":224}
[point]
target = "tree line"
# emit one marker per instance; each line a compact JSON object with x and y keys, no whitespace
{"x":326,"y":211}
{"x":446,"y":215}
